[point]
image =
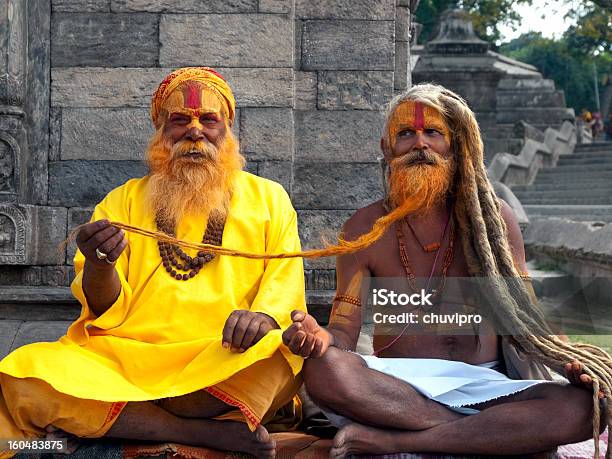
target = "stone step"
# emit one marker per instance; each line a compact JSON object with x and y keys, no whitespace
{"x":506,"y":130}
{"x":525,"y":83}
{"x":594,"y":146}
{"x":597,"y":154}
{"x":601,"y":185}
{"x":566,"y":201}
{"x":573,"y":212}
{"x":552,"y":116}
{"x":38,"y":303}
{"x":319,"y":302}
{"x":593,"y":151}
{"x":562,"y":194}
{"x":546,"y":282}
{"x":570,"y":161}
{"x":502,"y":131}
{"x":587,"y":154}
{"x":576,"y":169}
{"x":535,"y":99}
{"x":602,"y":172}
{"x":570,"y":180}
{"x":497,"y":145}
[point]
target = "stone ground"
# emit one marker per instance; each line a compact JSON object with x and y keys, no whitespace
{"x":17,"y":333}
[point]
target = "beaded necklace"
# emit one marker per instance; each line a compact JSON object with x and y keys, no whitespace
{"x":175,"y":259}
{"x":433,"y":247}
{"x":447,"y":259}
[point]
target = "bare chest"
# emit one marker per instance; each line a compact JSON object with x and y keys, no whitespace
{"x":404,"y":257}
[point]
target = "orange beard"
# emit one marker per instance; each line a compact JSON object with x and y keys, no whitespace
{"x":181,"y":184}
{"x":419,"y":180}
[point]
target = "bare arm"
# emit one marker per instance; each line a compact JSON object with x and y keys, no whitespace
{"x":101,"y":287}
{"x":101,"y":283}
{"x":345,"y":322}
{"x":305,"y":337}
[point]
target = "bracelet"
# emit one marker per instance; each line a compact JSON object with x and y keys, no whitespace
{"x":348,"y":299}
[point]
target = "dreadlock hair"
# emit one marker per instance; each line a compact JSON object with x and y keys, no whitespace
{"x":488,"y":255}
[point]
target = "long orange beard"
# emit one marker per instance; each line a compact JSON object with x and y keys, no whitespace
{"x":181,"y":185}
{"x":419,"y":186}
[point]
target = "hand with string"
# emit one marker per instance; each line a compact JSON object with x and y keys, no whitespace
{"x":305,"y":337}
{"x":101,"y":244}
{"x":574,"y":372}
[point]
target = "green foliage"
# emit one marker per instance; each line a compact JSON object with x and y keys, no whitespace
{"x":487,"y":16}
{"x":428,"y":14}
{"x":592,"y":32}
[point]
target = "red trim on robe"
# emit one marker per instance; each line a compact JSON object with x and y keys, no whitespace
{"x":115,"y":410}
{"x":226,"y":398}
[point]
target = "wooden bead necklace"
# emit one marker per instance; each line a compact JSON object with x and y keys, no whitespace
{"x":447,"y":259}
{"x":175,"y":259}
{"x":434,"y":246}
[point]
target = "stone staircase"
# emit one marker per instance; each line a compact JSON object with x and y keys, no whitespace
{"x":531,"y":99}
{"x":578,"y":188}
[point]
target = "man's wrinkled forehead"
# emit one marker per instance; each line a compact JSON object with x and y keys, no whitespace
{"x":193,"y":98}
{"x":417,"y":116}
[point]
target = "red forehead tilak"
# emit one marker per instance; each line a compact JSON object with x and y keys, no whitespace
{"x":192,"y":95}
{"x":419,"y":116}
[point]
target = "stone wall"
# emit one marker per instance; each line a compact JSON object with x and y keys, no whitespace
{"x":310,"y":79}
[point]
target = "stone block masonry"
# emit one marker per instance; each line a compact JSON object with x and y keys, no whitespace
{"x":311,"y":78}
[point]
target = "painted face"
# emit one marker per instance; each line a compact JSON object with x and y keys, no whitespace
{"x":194,"y":112}
{"x":415,"y":125}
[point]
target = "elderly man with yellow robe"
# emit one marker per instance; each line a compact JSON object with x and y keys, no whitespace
{"x":173,"y":345}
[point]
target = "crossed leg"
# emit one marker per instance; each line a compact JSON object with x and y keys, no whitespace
{"x":342,"y":382}
{"x":35,"y":408}
{"x":392,"y":417}
{"x":147,"y":421}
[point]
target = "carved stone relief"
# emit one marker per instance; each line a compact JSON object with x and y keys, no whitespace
{"x":12,"y":236}
{"x":9,"y":165}
{"x":7,"y":168}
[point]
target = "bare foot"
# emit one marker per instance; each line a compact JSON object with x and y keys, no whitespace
{"x":53,"y":433}
{"x":258,"y":443}
{"x":359,"y":439}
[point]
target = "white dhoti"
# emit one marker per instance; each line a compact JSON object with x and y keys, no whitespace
{"x":456,"y":385}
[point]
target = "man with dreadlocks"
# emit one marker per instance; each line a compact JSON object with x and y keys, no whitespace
{"x":173,"y":345}
{"x":431,"y":393}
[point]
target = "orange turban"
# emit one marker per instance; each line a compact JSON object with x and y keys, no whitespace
{"x":205,"y":75}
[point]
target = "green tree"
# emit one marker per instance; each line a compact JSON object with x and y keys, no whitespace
{"x":592,"y":32}
{"x":592,"y":36}
{"x":487,"y":16}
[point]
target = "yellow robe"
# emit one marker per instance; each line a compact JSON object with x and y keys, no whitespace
{"x":162,"y":337}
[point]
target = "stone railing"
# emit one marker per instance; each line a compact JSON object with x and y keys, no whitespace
{"x":540,"y":149}
{"x":584,"y":132}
